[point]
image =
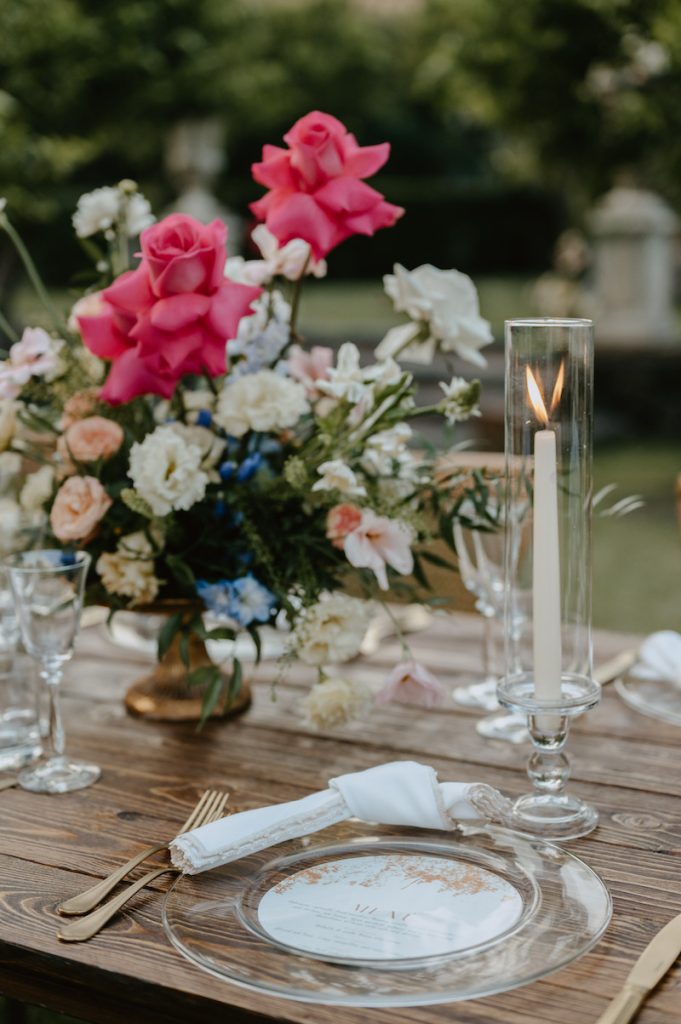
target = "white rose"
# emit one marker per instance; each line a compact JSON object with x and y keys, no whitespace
{"x":336,"y":702}
{"x":8,"y":422}
{"x":447,"y":302}
{"x":129,"y":571}
{"x":37,"y":489}
{"x":166,"y":471}
{"x":332,"y":630}
{"x":261,"y":401}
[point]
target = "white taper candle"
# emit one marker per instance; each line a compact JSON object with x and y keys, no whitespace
{"x":546,"y":570}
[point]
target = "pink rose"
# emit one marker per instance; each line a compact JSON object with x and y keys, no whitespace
{"x":411,"y":683}
{"x":377,"y":542}
{"x":80,"y":504}
{"x":90,"y":439}
{"x":342,"y":520}
{"x":316,"y":192}
{"x":170,"y":317}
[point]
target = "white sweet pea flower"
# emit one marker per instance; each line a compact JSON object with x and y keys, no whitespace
{"x":461,"y":399}
{"x":337,"y":476}
{"x":386,"y":448}
{"x":346,"y":379}
{"x":290,"y":260}
{"x":445,"y":306}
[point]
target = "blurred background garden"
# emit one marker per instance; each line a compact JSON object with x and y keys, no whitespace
{"x":537,"y":150}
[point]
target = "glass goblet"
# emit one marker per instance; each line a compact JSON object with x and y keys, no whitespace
{"x":48,"y":590}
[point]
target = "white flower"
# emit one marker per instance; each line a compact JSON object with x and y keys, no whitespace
{"x":36,"y":355}
{"x":461,"y":399}
{"x":37,"y":489}
{"x":385,"y":448}
{"x":10,"y":466}
{"x":290,"y":260}
{"x":406,"y":342}
{"x":332,"y":630}
{"x":335,"y":702}
{"x":261,"y":401}
{"x":96,"y":211}
{"x":129,"y":571}
{"x":8,"y":422}
{"x":337,"y":476}
{"x":10,"y":523}
{"x":446,"y":301}
{"x":3,"y":203}
{"x":210,"y":446}
{"x":102,"y":208}
{"x":253,"y":272}
{"x":138,"y":214}
{"x":166,"y":471}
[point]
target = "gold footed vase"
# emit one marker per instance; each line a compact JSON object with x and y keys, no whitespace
{"x":164,"y":694}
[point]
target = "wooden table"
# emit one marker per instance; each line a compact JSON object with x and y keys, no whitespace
{"x":53,"y":847}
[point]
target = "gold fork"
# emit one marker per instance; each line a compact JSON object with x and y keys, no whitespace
{"x":89,"y":899}
{"x":87,"y":927}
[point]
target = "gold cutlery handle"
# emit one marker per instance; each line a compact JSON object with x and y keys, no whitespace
{"x":624,"y":1006}
{"x":86,"y":927}
{"x":89,"y":899}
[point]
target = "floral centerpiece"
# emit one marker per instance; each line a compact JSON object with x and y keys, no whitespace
{"x":197,"y":449}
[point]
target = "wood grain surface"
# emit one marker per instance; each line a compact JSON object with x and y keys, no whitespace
{"x":53,"y":847}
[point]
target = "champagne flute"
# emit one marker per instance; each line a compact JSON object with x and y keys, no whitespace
{"x":48,"y":590}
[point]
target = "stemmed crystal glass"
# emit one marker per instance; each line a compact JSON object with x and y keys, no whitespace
{"x":48,"y":590}
{"x":481,"y":563}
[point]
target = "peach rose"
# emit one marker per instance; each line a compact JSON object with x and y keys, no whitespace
{"x":90,"y":439}
{"x":79,"y":405}
{"x":80,"y":504}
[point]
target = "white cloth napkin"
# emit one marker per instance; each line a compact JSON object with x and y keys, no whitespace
{"x":399,"y":793}
{"x":659,"y":657}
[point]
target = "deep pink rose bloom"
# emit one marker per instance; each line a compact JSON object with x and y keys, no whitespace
{"x":316,"y":192}
{"x":172,"y":315}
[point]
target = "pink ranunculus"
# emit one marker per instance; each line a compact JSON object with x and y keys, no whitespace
{"x":316,"y":192}
{"x":89,"y":439}
{"x":411,"y":683}
{"x":170,"y":317}
{"x":378,"y":541}
{"x":309,"y":367}
{"x":81,"y":503}
{"x":342,"y":520}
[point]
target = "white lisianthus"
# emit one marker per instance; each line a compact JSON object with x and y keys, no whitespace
{"x":129,"y":571}
{"x":445,"y":307}
{"x":346,"y":379}
{"x":101,"y":209}
{"x":332,"y":630}
{"x":166,"y":471}
{"x":261,"y":401}
{"x":37,"y":489}
{"x":335,"y":702}
{"x":461,"y":399}
{"x":8,"y":422}
{"x":337,"y":476}
{"x":208,"y":443}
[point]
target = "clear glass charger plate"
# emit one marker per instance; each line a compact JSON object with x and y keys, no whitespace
{"x":657,"y":698}
{"x":358,"y":915}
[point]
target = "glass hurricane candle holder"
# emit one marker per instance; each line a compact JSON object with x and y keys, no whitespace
{"x":548,"y":660}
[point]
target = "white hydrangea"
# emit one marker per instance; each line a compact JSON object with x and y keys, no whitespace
{"x":166,"y":471}
{"x":261,"y":401}
{"x":332,"y":630}
{"x":37,"y":489}
{"x":336,"y":475}
{"x":129,"y":571}
{"x":101,"y":210}
{"x":335,"y":702}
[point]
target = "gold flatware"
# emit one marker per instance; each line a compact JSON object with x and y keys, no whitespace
{"x":652,"y":965}
{"x":615,"y":667}
{"x":89,"y":899}
{"x":87,"y":927}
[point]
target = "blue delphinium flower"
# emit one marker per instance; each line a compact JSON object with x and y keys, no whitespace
{"x":251,"y":601}
{"x":249,"y":467}
{"x":217,"y":597}
{"x":227,"y":470}
{"x":204,"y":418}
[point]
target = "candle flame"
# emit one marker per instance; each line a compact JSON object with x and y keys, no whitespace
{"x":536,"y":398}
{"x":534,"y":390}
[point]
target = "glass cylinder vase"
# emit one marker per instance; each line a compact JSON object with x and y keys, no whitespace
{"x":547,"y":573}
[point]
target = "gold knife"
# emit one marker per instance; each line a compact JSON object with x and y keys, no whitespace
{"x":652,"y":965}
{"x":615,"y":667}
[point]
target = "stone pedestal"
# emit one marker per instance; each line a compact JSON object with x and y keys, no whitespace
{"x":634,"y":232}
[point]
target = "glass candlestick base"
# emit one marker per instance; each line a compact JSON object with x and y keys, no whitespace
{"x":549,"y":811}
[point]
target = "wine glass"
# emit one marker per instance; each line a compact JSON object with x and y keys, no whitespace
{"x":48,"y":590}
